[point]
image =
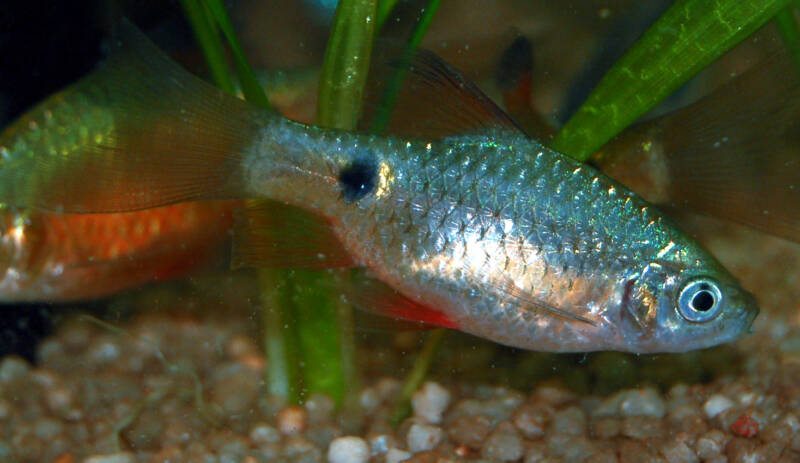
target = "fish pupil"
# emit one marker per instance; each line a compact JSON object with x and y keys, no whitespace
{"x":358,"y":179}
{"x":703,"y":301}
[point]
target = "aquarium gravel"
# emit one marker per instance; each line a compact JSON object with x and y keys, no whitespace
{"x":187,"y":385}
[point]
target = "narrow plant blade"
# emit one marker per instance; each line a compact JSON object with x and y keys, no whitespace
{"x":687,"y":37}
{"x":344,"y":70}
{"x":342,"y":81}
{"x":396,"y":80}
{"x":418,"y":373}
{"x":250,"y":86}
{"x":319,"y":334}
{"x":281,"y":341}
{"x":787,"y":26}
{"x":207,"y":37}
{"x":385,"y":8}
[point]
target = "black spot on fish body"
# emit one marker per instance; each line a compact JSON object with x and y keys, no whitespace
{"x":358,"y":179}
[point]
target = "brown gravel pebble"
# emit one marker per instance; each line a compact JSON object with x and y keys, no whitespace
{"x":532,"y":418}
{"x":470,"y":431}
{"x":292,"y":420}
{"x":606,"y":427}
{"x":641,"y":427}
{"x":570,"y":421}
{"x":637,"y":452}
{"x":677,"y":451}
{"x":423,"y":437}
{"x":122,"y":457}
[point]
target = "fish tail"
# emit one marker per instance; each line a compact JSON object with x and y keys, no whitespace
{"x":734,"y":154}
{"x":138,"y":132}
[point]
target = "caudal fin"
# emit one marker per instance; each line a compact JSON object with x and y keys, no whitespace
{"x":137,"y":132}
{"x":734,"y":154}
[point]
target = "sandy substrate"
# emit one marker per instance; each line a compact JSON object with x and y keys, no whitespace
{"x":185,"y":384}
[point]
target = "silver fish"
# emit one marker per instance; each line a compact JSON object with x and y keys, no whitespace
{"x":486,"y":231}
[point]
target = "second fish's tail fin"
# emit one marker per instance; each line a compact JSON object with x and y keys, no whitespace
{"x":137,"y":132}
{"x":734,"y":154}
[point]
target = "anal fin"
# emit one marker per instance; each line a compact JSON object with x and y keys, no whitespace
{"x":272,"y":234}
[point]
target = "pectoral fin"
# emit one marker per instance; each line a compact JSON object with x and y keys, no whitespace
{"x":529,"y":302}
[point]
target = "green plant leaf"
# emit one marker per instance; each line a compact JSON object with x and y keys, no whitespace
{"x":250,"y":86}
{"x":418,"y":372}
{"x":207,"y":37}
{"x":319,"y":334}
{"x":346,"y":64}
{"x":342,"y":81}
{"x":393,"y":86}
{"x":684,"y":40}
{"x":281,"y":339}
{"x":787,"y":26}
{"x":385,"y":8}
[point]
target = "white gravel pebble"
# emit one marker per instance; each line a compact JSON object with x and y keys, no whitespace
{"x":319,"y":408}
{"x":12,"y":368}
{"x":716,"y":404}
{"x":397,"y":455}
{"x":678,"y":452}
{"x":430,"y":402}
{"x":369,"y":398}
{"x":121,"y":457}
{"x":423,"y":437}
{"x":633,"y":402}
{"x":504,"y":444}
{"x":262,"y":434}
{"x":348,"y":449}
{"x":642,"y":402}
{"x":379,"y":443}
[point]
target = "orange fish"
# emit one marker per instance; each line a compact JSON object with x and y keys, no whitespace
{"x":63,"y":257}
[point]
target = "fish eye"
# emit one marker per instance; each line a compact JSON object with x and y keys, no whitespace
{"x":700,"y":300}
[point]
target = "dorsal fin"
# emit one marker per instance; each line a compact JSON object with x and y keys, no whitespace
{"x":428,"y":97}
{"x":138,"y":132}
